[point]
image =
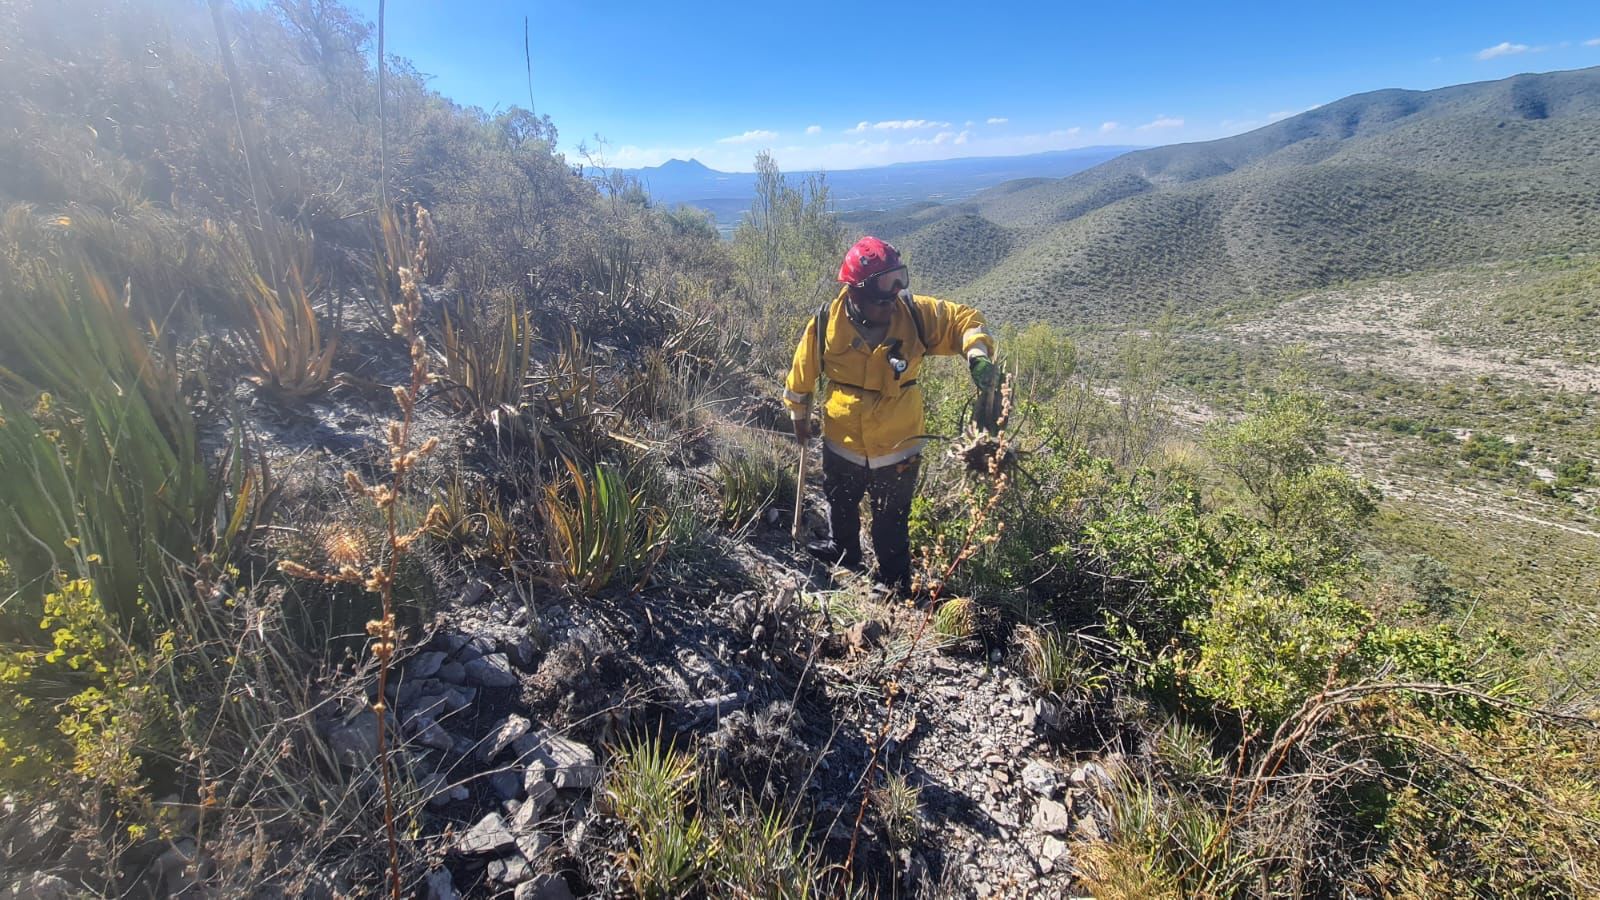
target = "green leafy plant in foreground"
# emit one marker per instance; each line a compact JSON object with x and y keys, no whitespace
{"x":105,"y":478}
{"x":84,"y":702}
{"x":603,"y":530}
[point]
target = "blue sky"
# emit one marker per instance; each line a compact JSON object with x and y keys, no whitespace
{"x":844,"y":85}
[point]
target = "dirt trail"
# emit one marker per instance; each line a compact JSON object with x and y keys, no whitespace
{"x":1382,"y":326}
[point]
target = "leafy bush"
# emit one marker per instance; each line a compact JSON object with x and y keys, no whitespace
{"x":1491,"y":452}
{"x":1264,"y":653}
{"x":90,"y":705}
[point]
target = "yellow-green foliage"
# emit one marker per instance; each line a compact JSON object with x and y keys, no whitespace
{"x":273,"y":274}
{"x":898,"y":802}
{"x":650,"y":790}
{"x":1056,"y":664}
{"x":752,"y":477}
{"x":104,"y":475}
{"x":678,"y":844}
{"x":955,"y":620}
{"x":1163,"y":846}
{"x":601,"y":531}
{"x":87,"y":705}
{"x":1041,"y":358}
{"x":1266,"y":651}
{"x":1504,"y":812}
{"x":486,"y":355}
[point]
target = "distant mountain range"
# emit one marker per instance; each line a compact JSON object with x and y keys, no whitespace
{"x":1379,"y":183}
{"x":728,"y":194}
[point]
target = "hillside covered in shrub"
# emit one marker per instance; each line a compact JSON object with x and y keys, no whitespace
{"x":1383,"y":183}
{"x":390,"y":510}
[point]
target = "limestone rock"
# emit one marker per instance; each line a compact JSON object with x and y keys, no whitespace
{"x":1051,"y":817}
{"x":505,"y":733}
{"x":1041,"y":779}
{"x":440,"y":887}
{"x":544,"y":887}
{"x":563,"y":762}
{"x":425,"y":664}
{"x":493,"y":671}
{"x":490,"y":836}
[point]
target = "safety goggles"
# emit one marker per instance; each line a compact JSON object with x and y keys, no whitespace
{"x":887,"y":285}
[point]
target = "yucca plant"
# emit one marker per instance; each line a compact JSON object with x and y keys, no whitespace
{"x":649,"y":790}
{"x":602,"y":531}
{"x":273,"y":275}
{"x":751,"y":480}
{"x":485,"y":358}
{"x":501,"y":539}
{"x":451,"y":521}
{"x":1055,"y":663}
{"x":104,"y":474}
{"x":898,"y":802}
{"x":764,"y":854}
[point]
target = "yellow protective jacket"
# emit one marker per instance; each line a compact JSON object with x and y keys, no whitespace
{"x":868,"y":416}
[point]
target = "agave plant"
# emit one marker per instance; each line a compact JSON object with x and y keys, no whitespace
{"x":602,"y":531}
{"x":485,"y":359}
{"x":273,"y":274}
{"x":104,"y":474}
{"x":752,"y":478}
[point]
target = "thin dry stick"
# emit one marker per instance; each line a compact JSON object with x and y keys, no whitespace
{"x":383,"y":130}
{"x":379,"y":579}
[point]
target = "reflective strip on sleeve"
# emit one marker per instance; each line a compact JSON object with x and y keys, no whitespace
{"x":797,"y":399}
{"x":972,"y":334}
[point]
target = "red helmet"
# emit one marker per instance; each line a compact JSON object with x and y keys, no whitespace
{"x":868,"y":258}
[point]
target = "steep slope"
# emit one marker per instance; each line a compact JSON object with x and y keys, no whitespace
{"x":1381,"y":183}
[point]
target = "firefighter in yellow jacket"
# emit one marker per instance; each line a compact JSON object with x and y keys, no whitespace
{"x":873,"y":338}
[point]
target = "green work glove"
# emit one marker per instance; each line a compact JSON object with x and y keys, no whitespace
{"x":984,"y":374}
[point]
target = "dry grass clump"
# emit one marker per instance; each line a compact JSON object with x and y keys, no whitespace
{"x":675,"y":836}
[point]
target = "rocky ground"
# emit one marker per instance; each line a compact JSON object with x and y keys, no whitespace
{"x":509,"y":699}
{"x":508,"y":706}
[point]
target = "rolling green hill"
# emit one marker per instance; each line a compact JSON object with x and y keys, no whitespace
{"x":1374,"y":184}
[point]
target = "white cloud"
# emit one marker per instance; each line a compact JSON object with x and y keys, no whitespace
{"x":1504,"y":48}
{"x":749,"y":137}
{"x":1162,"y":122}
{"x":1592,"y":42}
{"x":1281,"y":114}
{"x":896,"y":125}
{"x":1108,"y":127}
{"x":963,"y":137}
{"x":996,"y":120}
{"x":813,"y":129}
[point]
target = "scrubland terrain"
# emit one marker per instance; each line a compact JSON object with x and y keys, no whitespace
{"x":390,"y":510}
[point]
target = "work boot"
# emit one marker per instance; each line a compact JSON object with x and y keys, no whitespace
{"x":833,"y":555}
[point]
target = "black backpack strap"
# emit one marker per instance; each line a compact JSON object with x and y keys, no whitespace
{"x":916,"y":319}
{"x":822,"y":336}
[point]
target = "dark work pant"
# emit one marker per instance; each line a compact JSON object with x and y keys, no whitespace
{"x":891,"y":488}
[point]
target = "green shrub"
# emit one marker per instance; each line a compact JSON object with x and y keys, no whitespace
{"x":752,"y":478}
{"x":601,"y":531}
{"x":106,"y":479}
{"x":1262,"y":652}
